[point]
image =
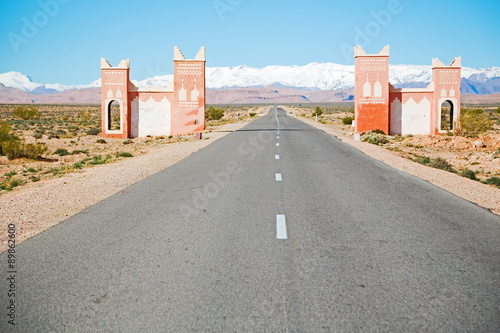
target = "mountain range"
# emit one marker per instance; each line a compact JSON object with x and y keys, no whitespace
{"x":314,"y":82}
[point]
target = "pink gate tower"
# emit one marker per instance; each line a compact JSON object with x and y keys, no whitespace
{"x":378,"y":105}
{"x":174,"y":110}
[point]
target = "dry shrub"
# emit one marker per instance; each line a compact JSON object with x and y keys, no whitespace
{"x":474,"y":122}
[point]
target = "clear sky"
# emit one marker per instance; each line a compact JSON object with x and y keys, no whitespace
{"x":61,"y":41}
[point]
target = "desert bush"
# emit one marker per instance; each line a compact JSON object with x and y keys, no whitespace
{"x":99,"y":160}
{"x":12,"y":148}
{"x":375,"y":138}
{"x":252,"y":114}
{"x":78,"y":151}
{"x":468,"y":174}
{"x":93,"y":131}
{"x":422,"y":160}
{"x":34,"y":151}
{"x":474,"y":122}
{"x":493,"y":181}
{"x":127,"y":142}
{"x":442,"y":164}
{"x":214,"y":114}
{"x":10,"y":183}
{"x":124,"y":154}
{"x":101,"y":141}
{"x":84,"y":117}
{"x":15,"y":148}
{"x":9,"y":141}
{"x":26,"y":113}
{"x":37,"y":135}
{"x":347,"y":120}
{"x":318,"y":112}
{"x":61,"y":152}
{"x":79,"y":165}
{"x":34,"y":179}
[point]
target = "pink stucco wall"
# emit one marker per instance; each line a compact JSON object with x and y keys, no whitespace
{"x":402,"y":111}
{"x":156,"y":111}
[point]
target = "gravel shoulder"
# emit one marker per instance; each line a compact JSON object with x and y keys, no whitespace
{"x":473,"y":191}
{"x":36,"y":207}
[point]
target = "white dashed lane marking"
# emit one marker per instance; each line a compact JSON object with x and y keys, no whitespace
{"x":278,"y":177}
{"x":277,"y":144}
{"x":276,"y":157}
{"x":281,"y":227}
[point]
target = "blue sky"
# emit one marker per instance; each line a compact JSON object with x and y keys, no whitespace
{"x":61,"y":41}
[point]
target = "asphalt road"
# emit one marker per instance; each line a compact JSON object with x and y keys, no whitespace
{"x":337,"y":242}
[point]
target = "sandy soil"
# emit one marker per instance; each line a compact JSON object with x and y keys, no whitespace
{"x":35,"y":207}
{"x":474,"y":191}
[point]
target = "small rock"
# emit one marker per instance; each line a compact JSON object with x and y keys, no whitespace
{"x":478,"y":144}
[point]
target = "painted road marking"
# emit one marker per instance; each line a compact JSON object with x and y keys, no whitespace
{"x":277,"y":145}
{"x":278,"y":177}
{"x":281,"y":227}
{"x":276,"y":157}
{"x":278,"y":137}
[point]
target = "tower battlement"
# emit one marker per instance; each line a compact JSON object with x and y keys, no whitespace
{"x":378,"y":105}
{"x":129,"y":111}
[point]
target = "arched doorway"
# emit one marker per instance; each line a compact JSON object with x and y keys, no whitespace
{"x":114,"y":116}
{"x":446,"y":114}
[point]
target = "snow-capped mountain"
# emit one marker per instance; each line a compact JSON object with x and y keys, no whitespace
{"x":313,"y":76}
{"x":24,"y":82}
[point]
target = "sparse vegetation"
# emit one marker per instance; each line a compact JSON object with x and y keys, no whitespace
{"x":474,"y":122}
{"x":468,"y":174}
{"x":61,"y":152}
{"x":214,"y":114}
{"x":493,"y":181}
{"x":93,"y":131}
{"x":98,"y":159}
{"x":124,"y":154}
{"x":80,"y":151}
{"x":422,"y":160}
{"x":317,"y":111}
{"x":101,"y":141}
{"x":10,"y":183}
{"x":375,"y":138}
{"x":26,"y":113}
{"x":442,"y":164}
{"x":347,"y":120}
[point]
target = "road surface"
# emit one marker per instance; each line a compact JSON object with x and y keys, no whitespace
{"x":277,"y":227}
